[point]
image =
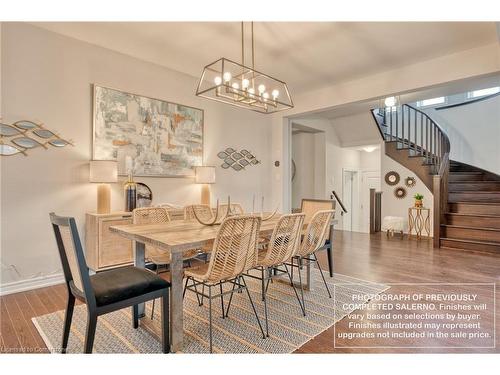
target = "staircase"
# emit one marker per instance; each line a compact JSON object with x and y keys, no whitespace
{"x":472,"y":221}
{"x":466,"y":207}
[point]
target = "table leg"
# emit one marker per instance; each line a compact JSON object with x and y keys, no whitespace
{"x":176,"y":302}
{"x":139,"y":261}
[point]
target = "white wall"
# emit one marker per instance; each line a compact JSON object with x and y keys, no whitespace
{"x":474,"y":132}
{"x":303,"y":156}
{"x":392,"y":206}
{"x":48,"y":77}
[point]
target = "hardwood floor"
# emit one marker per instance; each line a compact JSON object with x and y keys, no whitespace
{"x":368,"y":257}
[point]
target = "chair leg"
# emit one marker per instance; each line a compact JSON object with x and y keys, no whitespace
{"x":67,"y":321}
{"x":222,"y":300}
{"x":295,"y":289}
{"x":185,"y":287}
{"x":90,"y":334}
{"x":253,"y":307}
{"x":299,"y":263}
{"x":264,"y":298}
{"x":329,"y":251}
{"x":165,"y":322}
{"x":135,"y":316}
{"x":263,"y":284}
{"x":231,"y":297}
{"x":153,"y":307}
{"x":210,"y":316}
{"x":322,"y":276}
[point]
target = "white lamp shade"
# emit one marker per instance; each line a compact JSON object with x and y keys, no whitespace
{"x":103,"y":171}
{"x":205,"y":175}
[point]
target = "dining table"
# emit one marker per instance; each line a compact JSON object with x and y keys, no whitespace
{"x":177,"y":237}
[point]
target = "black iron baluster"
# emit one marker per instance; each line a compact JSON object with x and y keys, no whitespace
{"x":422,"y":137}
{"x":390,"y":118}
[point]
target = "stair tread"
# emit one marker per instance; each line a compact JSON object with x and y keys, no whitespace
{"x":471,"y":214}
{"x":474,"y":182}
{"x":466,"y":172}
{"x":475,"y":191}
{"x":469,"y":227}
{"x":471,"y":241}
{"x":477,"y":203}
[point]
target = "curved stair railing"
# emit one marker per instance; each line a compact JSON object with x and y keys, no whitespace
{"x":413,"y":130}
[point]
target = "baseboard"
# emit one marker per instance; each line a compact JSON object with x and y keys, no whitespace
{"x":35,"y":283}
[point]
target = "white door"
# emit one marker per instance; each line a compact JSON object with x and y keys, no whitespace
{"x":350,"y":198}
{"x":369,"y":180}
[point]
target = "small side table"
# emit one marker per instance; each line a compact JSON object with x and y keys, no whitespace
{"x":419,"y":221}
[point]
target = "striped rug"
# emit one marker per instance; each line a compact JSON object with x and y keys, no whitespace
{"x":239,"y":333}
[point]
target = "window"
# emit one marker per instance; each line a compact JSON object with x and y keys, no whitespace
{"x":478,"y":93}
{"x":429,"y":102}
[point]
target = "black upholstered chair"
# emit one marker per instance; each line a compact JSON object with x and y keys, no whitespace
{"x":106,"y":291}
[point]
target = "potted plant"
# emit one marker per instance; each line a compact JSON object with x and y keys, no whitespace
{"x":418,"y":200}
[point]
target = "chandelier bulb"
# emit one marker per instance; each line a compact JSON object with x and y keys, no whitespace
{"x":235,"y":86}
{"x":245,"y":83}
{"x":275,"y":94}
{"x":227,"y":76}
{"x":265,"y":95}
{"x":218,"y":80}
{"x":261,"y":88}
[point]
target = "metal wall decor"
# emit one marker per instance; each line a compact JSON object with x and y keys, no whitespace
{"x":410,"y":182}
{"x":242,"y":86}
{"x":392,"y":178}
{"x":25,"y":135}
{"x":400,"y":192}
{"x":237,"y":160}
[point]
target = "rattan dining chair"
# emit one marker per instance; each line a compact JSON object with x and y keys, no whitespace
{"x":309,"y":207}
{"x":234,"y":252}
{"x":203,"y":211}
{"x":235,"y":209}
{"x":313,"y":240}
{"x":283,"y":245}
{"x":158,"y":215}
{"x":106,"y":291}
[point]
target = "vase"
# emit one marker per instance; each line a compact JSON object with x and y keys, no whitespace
{"x":418,"y":203}
{"x":130,"y":189}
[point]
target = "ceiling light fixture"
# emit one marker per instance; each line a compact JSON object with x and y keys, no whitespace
{"x":239,"y":85}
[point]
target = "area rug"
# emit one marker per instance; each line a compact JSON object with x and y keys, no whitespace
{"x":239,"y":333}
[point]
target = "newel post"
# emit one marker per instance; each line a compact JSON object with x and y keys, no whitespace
{"x":437,"y":191}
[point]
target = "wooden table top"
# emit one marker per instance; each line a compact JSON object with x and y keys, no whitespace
{"x":180,"y":235}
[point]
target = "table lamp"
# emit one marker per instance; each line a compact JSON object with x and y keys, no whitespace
{"x":205,"y":175}
{"x":103,"y":172}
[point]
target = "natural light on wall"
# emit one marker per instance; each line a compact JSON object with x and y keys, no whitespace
{"x":429,"y":102}
{"x":483,"y":92}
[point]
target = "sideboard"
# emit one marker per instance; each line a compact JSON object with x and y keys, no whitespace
{"x":106,"y":250}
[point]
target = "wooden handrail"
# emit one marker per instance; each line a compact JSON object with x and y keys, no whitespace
{"x":338,"y":200}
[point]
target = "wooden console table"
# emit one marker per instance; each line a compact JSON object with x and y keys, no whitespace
{"x":419,"y":221}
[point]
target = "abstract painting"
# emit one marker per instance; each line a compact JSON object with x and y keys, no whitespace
{"x":162,"y":139}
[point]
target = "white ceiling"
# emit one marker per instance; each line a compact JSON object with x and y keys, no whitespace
{"x":307,"y":55}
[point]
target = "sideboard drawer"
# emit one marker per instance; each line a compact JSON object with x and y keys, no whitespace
{"x":105,"y":249}
{"x":113,"y":249}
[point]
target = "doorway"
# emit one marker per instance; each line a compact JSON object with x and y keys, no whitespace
{"x":350,"y":198}
{"x":369,"y":180}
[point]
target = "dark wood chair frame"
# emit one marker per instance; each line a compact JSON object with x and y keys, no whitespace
{"x":328,"y":246}
{"x":87,"y":296}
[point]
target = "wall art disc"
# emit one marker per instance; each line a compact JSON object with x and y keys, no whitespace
{"x":400,"y":192}
{"x":392,"y":178}
{"x":410,"y":182}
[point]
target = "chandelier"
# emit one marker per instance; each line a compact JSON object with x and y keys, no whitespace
{"x":229,"y":82}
